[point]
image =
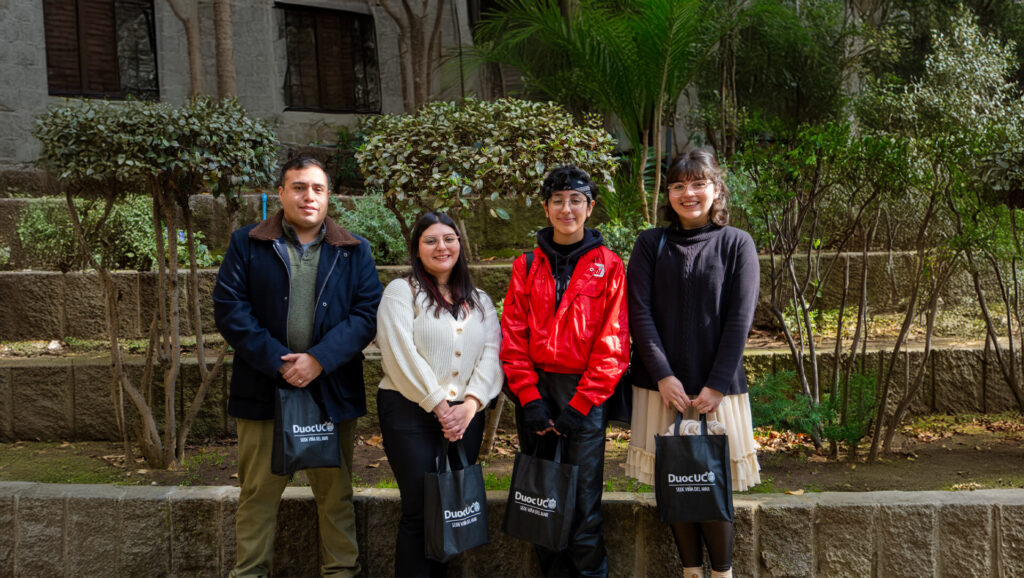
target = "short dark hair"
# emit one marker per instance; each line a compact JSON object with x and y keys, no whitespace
{"x":302,"y":162}
{"x":694,"y":165}
{"x":568,"y":178}
{"x":460,"y":282}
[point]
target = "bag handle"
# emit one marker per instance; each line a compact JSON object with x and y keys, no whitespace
{"x":558,"y":448}
{"x":442,"y":461}
{"x":703,"y":423}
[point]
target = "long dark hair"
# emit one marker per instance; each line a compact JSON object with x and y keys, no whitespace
{"x":693,"y":165}
{"x":460,"y":282}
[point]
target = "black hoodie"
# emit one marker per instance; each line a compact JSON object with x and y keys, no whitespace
{"x":564,"y":257}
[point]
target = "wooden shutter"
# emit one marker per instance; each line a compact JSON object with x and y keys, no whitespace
{"x":81,"y":47}
{"x":336,"y":57}
{"x":63,"y":70}
{"x":98,"y":42}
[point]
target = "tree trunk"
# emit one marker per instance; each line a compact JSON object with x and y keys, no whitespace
{"x":225,"y":49}
{"x":187,"y":12}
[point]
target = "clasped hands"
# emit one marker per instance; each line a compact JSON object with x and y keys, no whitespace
{"x":454,"y":419}
{"x":673,"y":396}
{"x":300,"y":369}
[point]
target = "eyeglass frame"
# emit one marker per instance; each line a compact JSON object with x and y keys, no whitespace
{"x":690,"y":186}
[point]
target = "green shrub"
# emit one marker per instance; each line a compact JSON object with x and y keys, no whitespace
{"x":619,"y":237}
{"x":371,"y":219}
{"x":776,"y":401}
{"x":448,"y":153}
{"x":124,"y":242}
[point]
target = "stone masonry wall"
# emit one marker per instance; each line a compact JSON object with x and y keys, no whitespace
{"x":68,"y":399}
{"x":23,"y":86}
{"x":65,"y":530}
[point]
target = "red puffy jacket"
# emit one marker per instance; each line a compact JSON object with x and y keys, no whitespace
{"x":588,"y":334}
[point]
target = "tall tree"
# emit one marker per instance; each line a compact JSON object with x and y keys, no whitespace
{"x":187,"y":12}
{"x":419,"y":45}
{"x":226,"y":87}
{"x":629,"y":58}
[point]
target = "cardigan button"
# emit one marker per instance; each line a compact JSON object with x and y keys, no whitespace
{"x":458,"y":330}
{"x":455,"y":373}
{"x":458,"y":354}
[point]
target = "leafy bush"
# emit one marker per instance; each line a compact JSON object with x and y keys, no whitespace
{"x":446,"y":154}
{"x":859,"y":412}
{"x":371,"y":219}
{"x":103,"y":151}
{"x":124,"y":242}
{"x":776,"y":401}
{"x":619,"y":237}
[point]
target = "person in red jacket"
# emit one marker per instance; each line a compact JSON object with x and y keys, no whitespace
{"x":565,"y":345}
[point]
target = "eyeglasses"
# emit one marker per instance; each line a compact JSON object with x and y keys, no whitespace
{"x":678,"y":189}
{"x":447,"y":240}
{"x":575,"y":202}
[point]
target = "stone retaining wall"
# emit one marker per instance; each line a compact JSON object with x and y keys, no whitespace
{"x":76,"y":530}
{"x":54,"y":399}
{"x":54,"y":305}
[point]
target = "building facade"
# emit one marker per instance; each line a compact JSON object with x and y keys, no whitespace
{"x":306,"y":66}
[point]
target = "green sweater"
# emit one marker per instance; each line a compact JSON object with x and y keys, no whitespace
{"x":303,"y":261}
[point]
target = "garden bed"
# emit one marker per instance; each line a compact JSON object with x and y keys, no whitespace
{"x":937,"y":452}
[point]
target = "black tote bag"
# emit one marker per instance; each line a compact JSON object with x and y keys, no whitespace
{"x":304,"y":437}
{"x":692,"y":476}
{"x":455,"y":507}
{"x":542,"y":500}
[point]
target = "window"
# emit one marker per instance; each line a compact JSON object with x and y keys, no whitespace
{"x":101,"y":48}
{"x":332,"y":61}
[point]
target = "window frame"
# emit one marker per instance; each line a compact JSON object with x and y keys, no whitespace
{"x":374,"y":104}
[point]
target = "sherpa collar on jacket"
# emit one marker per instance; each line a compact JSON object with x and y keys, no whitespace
{"x":272,"y":229}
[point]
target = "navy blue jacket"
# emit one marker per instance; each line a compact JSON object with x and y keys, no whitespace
{"x":251,"y":311}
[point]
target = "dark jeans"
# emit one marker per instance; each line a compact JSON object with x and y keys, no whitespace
{"x":412,"y":442}
{"x":586,"y":554}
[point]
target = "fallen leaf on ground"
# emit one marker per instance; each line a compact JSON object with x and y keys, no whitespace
{"x":234,"y":476}
{"x":795,"y":492}
{"x":375,"y":441}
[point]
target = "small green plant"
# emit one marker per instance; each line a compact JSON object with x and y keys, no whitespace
{"x":371,"y":219}
{"x":494,"y":482}
{"x":5,"y":256}
{"x":776,"y":401}
{"x":619,"y":237}
{"x":859,"y":409}
{"x":125,"y":240}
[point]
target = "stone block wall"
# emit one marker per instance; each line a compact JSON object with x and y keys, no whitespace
{"x":75,"y":530}
{"x":55,"y":399}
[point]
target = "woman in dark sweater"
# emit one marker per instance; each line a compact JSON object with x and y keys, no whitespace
{"x":692,"y":292}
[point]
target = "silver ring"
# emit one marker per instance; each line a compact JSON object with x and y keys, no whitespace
{"x":300,"y":382}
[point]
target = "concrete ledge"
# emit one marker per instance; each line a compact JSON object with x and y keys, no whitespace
{"x":73,"y":530}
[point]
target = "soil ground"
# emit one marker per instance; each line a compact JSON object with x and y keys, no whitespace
{"x":933,"y":453}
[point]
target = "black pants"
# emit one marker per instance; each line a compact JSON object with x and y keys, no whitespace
{"x":586,"y":554}
{"x":412,"y":442}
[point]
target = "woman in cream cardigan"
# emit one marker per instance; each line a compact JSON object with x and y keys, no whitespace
{"x":439,"y":338}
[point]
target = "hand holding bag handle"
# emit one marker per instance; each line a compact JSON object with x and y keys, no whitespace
{"x":693,"y":480}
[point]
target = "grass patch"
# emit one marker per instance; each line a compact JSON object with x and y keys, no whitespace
{"x":45,"y":464}
{"x":767,"y":486}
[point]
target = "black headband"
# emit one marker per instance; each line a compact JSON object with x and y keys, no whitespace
{"x":581,"y":186}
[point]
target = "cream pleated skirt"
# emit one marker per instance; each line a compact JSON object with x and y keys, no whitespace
{"x":650,"y":417}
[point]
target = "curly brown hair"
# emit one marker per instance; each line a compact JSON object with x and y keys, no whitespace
{"x":693,"y":165}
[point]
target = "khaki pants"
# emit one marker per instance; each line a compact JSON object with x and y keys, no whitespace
{"x":256,"y":519}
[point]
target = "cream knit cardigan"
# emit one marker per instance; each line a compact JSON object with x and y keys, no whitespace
{"x":429,"y":359}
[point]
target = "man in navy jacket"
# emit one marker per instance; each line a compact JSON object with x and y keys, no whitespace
{"x":296,"y":298}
